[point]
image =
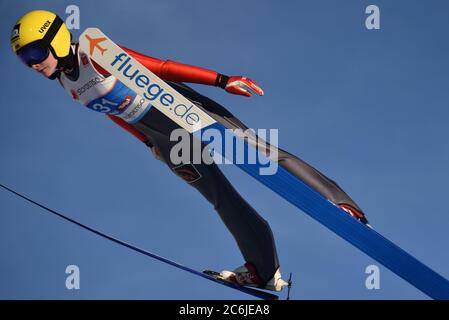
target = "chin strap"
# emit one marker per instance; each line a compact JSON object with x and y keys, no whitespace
{"x":68,"y":62}
{"x":55,"y":75}
{"x":68,"y":65}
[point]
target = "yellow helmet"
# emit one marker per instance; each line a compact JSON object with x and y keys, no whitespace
{"x":45,"y":28}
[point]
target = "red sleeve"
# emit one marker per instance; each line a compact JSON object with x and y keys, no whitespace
{"x":100,"y":69}
{"x":174,"y":71}
{"x":125,"y":125}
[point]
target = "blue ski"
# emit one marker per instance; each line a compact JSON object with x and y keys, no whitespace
{"x":364,"y":238}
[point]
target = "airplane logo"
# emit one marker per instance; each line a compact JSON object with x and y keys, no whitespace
{"x":94,"y":43}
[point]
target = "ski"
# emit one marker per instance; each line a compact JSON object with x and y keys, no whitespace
{"x":190,"y":117}
{"x":253,"y":292}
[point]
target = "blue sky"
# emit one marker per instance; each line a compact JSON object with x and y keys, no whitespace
{"x":367,"y":108}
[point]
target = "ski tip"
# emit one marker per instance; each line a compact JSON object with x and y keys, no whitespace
{"x":289,"y":286}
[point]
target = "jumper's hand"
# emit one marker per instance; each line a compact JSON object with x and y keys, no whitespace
{"x":242,"y":85}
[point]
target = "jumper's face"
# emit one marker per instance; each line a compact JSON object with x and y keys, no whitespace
{"x":46,"y":67}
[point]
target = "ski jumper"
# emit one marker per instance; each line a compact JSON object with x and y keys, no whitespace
{"x":101,"y":92}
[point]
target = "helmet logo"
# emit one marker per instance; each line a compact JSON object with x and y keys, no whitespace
{"x":15,"y":32}
{"x":45,"y":26}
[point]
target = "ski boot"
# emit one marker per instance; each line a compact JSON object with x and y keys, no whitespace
{"x":355,"y":214}
{"x":246,"y":275}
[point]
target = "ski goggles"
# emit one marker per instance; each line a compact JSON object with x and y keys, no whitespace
{"x":34,"y":53}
